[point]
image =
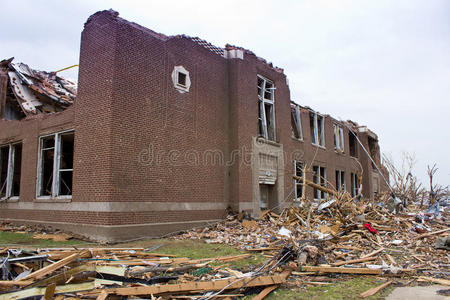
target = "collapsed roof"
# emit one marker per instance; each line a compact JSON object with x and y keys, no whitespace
{"x":30,"y":92}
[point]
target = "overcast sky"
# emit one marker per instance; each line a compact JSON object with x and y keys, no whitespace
{"x":384,"y":64}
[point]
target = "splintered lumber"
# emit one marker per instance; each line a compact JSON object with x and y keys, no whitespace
{"x":374,"y":290}
{"x":353,"y":261}
{"x":266,"y":292}
{"x":435,"y":280}
{"x":40,"y":291}
{"x":340,"y":270}
{"x":50,"y":292}
{"x":103,"y":295}
{"x":64,"y":276}
{"x":8,"y":283}
{"x":373,"y":253}
{"x":53,"y":267}
{"x":196,"y":286}
{"x":431,"y":233}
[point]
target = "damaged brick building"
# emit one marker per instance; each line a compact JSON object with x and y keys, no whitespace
{"x":164,"y":133}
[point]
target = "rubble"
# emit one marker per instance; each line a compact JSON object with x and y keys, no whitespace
{"x":303,"y":245}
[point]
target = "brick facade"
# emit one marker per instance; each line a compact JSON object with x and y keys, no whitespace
{"x":149,"y":159}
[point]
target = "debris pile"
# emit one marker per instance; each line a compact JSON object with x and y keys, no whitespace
{"x":124,"y":272}
{"x":302,"y":246}
{"x":363,"y":238}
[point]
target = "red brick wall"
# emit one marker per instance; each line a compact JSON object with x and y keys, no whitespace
{"x":28,"y":131}
{"x":137,"y":139}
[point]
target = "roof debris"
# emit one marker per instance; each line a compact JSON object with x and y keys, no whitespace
{"x":31,"y":92}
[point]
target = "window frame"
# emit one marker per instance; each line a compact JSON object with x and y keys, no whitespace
{"x":340,"y":181}
{"x":338,"y":138}
{"x":56,"y":172}
{"x":320,"y":180}
{"x":182,"y":88}
{"x":10,"y":171}
{"x":262,"y":101}
{"x":296,"y":115}
{"x":298,"y":182}
{"x":354,"y":184}
{"x":318,"y":138}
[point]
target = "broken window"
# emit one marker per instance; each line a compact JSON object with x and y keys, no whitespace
{"x":298,"y":184}
{"x":340,"y":181}
{"x":55,"y":168}
{"x":266,"y":109}
{"x":373,"y":150}
{"x":10,"y":166}
{"x":296,"y":123}
{"x":352,"y":144}
{"x":320,"y":179}
{"x":338,"y":138}
{"x":317,"y":128}
{"x":4,"y":163}
{"x":354,"y":184}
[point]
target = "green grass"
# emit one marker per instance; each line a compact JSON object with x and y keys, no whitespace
{"x":26,"y":239}
{"x":344,"y":290}
{"x":197,"y":249}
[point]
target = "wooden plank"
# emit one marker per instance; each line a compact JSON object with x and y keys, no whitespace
{"x":353,"y":261}
{"x":40,"y":291}
{"x":373,"y":253}
{"x":64,"y":276}
{"x":53,"y":267}
{"x":435,"y":280}
{"x":391,"y":259}
{"x":266,"y":292}
{"x":8,"y":283}
{"x":340,"y":270}
{"x":197,"y":286}
{"x":50,"y":291}
{"x":374,"y":290}
{"x":431,"y":233}
{"x":103,"y":295}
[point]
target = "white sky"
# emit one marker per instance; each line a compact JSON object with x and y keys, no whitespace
{"x":384,"y":64}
